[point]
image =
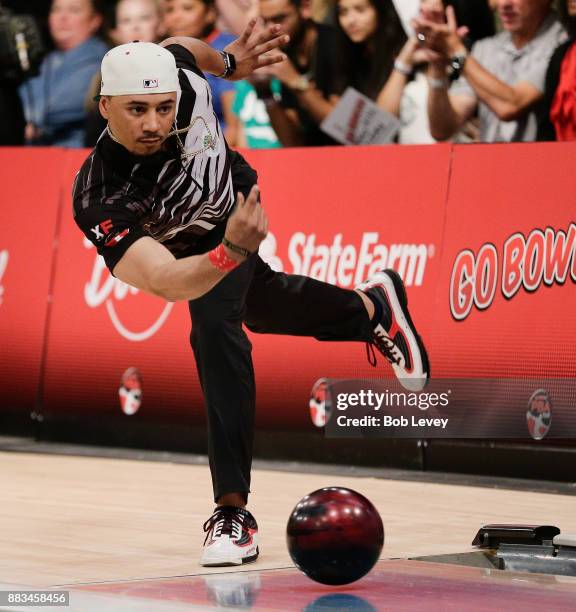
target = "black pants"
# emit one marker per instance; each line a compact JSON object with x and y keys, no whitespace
{"x":267,"y":302}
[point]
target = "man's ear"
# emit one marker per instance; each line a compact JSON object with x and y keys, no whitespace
{"x":104,"y":106}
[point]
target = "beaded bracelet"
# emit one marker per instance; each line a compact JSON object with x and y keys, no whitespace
{"x":235,"y":248}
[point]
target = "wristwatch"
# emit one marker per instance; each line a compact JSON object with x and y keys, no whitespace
{"x":302,"y":83}
{"x":229,"y":65}
{"x":457,"y":63}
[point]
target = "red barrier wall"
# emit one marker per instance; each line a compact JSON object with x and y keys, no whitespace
{"x":508,"y":310}
{"x":30,"y":202}
{"x":100,"y":327}
{"x":441,"y":215}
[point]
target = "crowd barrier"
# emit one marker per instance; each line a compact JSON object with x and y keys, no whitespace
{"x":484,"y":237}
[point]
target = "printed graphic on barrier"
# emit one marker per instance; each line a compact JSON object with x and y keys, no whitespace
{"x":507,"y":291}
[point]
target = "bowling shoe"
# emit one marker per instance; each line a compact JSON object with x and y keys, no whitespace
{"x":394,"y":334}
{"x":231,"y":537}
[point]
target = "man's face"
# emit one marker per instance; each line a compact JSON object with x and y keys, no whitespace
{"x":284,"y":13}
{"x":141,"y":123}
{"x":518,"y":16}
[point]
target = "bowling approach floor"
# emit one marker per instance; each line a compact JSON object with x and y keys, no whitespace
{"x":124,"y":534}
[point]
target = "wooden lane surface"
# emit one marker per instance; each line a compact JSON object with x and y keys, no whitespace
{"x":69,"y":519}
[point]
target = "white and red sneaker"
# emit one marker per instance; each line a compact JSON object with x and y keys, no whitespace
{"x":395,"y":335}
{"x":231,"y":537}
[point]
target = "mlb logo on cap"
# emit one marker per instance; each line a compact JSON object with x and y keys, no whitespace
{"x":150,"y":83}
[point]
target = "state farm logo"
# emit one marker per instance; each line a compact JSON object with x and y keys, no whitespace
{"x":345,"y":264}
{"x":545,"y":256}
{"x":103,"y":288}
{"x":3,"y":266}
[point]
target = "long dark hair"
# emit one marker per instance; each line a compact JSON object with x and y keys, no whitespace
{"x":362,"y":69}
{"x":568,"y":22}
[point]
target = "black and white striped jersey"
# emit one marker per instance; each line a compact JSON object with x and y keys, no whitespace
{"x":175,"y":196}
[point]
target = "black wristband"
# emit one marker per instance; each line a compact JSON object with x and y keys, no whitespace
{"x":229,"y":65}
{"x":235,"y":248}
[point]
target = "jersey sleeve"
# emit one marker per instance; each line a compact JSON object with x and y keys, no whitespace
{"x":112,"y":229}
{"x":184,"y":59}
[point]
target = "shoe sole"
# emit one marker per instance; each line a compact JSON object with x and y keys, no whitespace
{"x":225,"y":562}
{"x":402,"y":298}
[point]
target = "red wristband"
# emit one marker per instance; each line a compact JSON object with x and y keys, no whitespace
{"x":220,"y":259}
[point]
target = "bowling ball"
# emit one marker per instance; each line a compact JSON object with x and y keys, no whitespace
{"x":335,"y":535}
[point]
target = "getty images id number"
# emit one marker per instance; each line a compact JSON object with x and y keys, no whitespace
{"x":35,"y":598}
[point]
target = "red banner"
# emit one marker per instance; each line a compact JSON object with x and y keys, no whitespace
{"x":30,"y":181}
{"x":340,"y":220}
{"x":484,"y":237}
{"x":506,"y":295}
{"x":100,"y":327}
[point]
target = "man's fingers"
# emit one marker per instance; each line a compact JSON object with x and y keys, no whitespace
{"x":275,"y":43}
{"x":253,"y":196}
{"x":267,"y":34}
{"x":263,"y":225}
{"x":248,"y":31}
{"x":269,"y":59}
{"x":240,"y":200}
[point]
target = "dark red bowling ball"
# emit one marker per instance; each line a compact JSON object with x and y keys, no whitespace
{"x":335,"y":535}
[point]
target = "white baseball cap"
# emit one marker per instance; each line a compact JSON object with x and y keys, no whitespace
{"x":138,"y":68}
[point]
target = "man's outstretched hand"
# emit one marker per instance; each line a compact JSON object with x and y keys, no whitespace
{"x":255,"y":48}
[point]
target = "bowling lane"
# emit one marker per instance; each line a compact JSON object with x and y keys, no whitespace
{"x":401,"y":585}
{"x":78,"y":519}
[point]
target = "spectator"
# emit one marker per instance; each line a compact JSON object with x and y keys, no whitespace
{"x":54,"y":100}
{"x":406,"y":92}
{"x":251,"y":127}
{"x":197,"y":19}
{"x":322,"y":11}
{"x":306,"y":76}
{"x":132,"y":20}
{"x":557,"y":119}
{"x":234,"y":15}
{"x":137,"y":20}
{"x":503,"y":76}
{"x":369,"y":35}
{"x":22,"y":51}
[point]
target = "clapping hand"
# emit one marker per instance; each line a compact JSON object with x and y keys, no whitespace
{"x":443,"y":38}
